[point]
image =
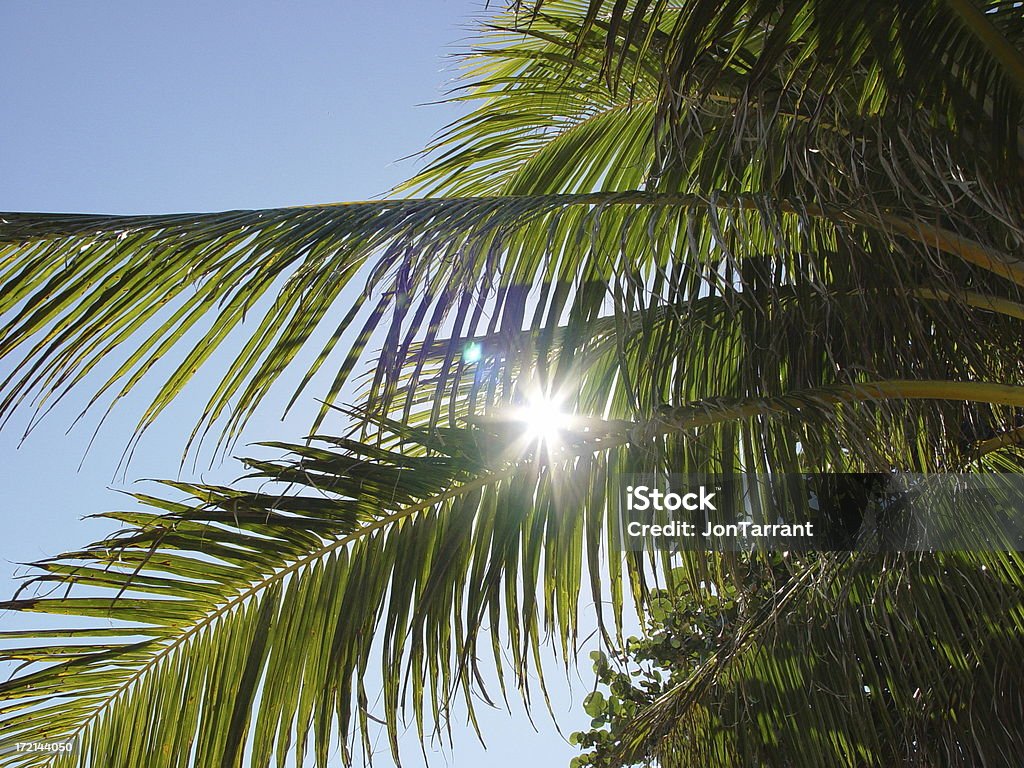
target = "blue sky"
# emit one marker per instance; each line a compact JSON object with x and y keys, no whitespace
{"x":127,"y":107}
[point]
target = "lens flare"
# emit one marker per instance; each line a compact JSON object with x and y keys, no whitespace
{"x":544,"y":420}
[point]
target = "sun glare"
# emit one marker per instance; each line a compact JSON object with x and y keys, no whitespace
{"x":544,"y":420}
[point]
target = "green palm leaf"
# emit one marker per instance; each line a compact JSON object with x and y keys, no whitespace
{"x":272,"y":601}
{"x":867,"y":661}
{"x":157,"y":285}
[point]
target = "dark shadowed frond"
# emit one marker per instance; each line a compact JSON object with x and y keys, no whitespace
{"x":913,"y":106}
{"x":941,"y":50}
{"x":865,"y":660}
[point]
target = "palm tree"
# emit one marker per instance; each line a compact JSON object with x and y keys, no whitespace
{"x":744,"y":236}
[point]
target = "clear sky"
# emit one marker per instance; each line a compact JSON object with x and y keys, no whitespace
{"x":128,"y":107}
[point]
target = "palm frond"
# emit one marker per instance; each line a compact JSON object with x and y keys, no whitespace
{"x":273,"y":600}
{"x":148,"y":287}
{"x":544,"y":122}
{"x":292,"y":288}
{"x":975,"y":43}
{"x":258,"y":600}
{"x":909,"y":105}
{"x":808,"y":675}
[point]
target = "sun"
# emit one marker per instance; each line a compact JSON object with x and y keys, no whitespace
{"x":544,"y":420}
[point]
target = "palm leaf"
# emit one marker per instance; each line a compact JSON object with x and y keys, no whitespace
{"x":807,"y":675}
{"x":155,"y":294}
{"x":272,"y":601}
{"x":291,"y":288}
